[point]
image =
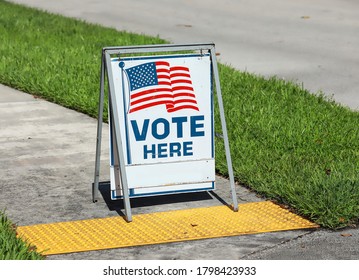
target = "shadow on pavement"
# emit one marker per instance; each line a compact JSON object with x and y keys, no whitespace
{"x":118,"y":206}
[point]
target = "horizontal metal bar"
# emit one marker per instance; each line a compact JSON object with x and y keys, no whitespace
{"x":157,"y":48}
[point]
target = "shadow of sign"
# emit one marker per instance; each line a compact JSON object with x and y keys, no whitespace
{"x":117,"y":205}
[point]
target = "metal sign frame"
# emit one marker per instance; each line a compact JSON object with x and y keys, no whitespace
{"x":107,"y":52}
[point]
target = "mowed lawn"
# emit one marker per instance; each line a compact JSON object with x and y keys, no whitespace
{"x":287,"y":144}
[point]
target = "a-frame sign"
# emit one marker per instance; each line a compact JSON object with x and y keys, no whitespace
{"x":161,"y":119}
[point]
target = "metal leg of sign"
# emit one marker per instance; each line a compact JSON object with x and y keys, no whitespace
{"x":224,"y":130}
{"x":119,"y":154}
{"x":95,"y":185}
{"x":115,"y":163}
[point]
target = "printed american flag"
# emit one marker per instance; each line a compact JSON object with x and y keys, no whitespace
{"x":158,"y":83}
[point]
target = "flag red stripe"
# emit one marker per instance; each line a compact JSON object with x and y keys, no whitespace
{"x":180,"y":75}
{"x":163,"y":77}
{"x":184,"y":94}
{"x":179,"y":68}
{"x":186,"y":100}
{"x":152,"y":98}
{"x":182,"y":88}
{"x":149,"y":91}
{"x":162,"y":63}
{"x":148,"y":105}
{"x":181,"y":81}
{"x":164,"y":83}
{"x":183,"y":107}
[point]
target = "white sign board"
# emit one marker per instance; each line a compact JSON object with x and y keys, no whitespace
{"x":165,"y":113}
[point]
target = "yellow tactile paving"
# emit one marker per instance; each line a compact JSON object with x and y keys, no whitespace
{"x":163,"y":227}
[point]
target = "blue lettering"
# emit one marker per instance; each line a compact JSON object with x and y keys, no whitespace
{"x":179,"y":121}
{"x":187,"y":148}
{"x":195,"y":126}
{"x":175,"y":148}
{"x":140,"y":136}
{"x":152,"y":151}
{"x":161,"y":128}
{"x":166,"y":129}
{"x":162,"y":150}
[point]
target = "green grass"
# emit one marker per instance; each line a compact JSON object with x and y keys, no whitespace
{"x":287,"y":144}
{"x":11,"y":247}
{"x":55,"y":57}
{"x":292,"y":146}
